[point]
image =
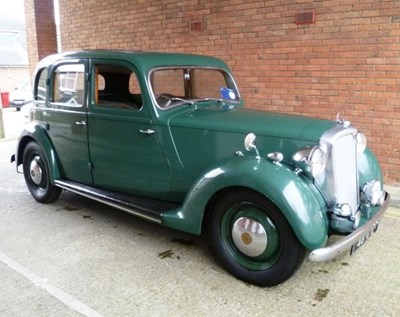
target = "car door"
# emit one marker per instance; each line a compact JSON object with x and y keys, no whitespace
{"x":62,"y":107}
{"x":124,"y":150}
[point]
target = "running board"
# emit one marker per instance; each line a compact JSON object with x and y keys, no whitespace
{"x":149,"y":209}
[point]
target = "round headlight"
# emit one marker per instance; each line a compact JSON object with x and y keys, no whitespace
{"x":361,"y":142}
{"x":317,"y":161}
{"x":373,"y":192}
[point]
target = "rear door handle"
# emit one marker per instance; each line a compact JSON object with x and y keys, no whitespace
{"x":148,"y":131}
{"x":80,"y":122}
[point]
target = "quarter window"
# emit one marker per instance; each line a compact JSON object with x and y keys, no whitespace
{"x":41,"y":88}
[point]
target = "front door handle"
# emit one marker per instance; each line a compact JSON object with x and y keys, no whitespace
{"x":148,"y":131}
{"x":80,"y":122}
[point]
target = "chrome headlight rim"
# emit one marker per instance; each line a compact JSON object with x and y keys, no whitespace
{"x":317,"y":160}
{"x":312,"y":160}
{"x":373,"y":192}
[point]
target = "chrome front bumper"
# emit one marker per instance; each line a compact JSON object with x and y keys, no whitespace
{"x":333,"y":250}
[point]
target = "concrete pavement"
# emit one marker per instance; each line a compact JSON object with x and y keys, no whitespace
{"x":76,"y":257}
{"x":395,"y":194}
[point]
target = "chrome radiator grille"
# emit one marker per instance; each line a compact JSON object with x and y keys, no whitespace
{"x":339,"y":183}
{"x":344,"y":161}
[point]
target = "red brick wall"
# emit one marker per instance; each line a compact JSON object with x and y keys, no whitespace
{"x":40,"y":30}
{"x":32,"y":43}
{"x":347,"y":62}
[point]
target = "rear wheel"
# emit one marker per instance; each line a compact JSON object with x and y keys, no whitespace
{"x":36,"y":173}
{"x":253,"y":240}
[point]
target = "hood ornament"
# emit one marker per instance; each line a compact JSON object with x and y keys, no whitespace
{"x":343,"y":122}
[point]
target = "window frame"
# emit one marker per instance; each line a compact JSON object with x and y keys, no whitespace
{"x":94,"y":102}
{"x":41,"y":102}
{"x":51,"y":84}
{"x":229,"y":79}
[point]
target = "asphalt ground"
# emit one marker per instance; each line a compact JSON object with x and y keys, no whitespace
{"x":76,"y":257}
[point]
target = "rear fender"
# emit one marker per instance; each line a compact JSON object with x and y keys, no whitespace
{"x":37,"y":133}
{"x":296,"y":197}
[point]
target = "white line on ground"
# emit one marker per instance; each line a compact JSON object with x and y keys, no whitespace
{"x":65,"y":298}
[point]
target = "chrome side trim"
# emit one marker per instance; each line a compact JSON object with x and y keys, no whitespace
{"x":104,"y":200}
{"x":333,"y":250}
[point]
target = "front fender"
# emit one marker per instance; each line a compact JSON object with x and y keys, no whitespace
{"x":296,"y":197}
{"x":35,"y":132}
{"x":368,"y":168}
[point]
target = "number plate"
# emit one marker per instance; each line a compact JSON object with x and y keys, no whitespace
{"x":361,"y":242}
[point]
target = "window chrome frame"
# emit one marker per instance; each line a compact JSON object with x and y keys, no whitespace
{"x":222,"y":70}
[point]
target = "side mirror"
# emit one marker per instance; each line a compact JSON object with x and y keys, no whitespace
{"x":249,"y":144}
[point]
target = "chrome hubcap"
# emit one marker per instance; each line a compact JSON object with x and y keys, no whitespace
{"x":36,"y":171}
{"x":249,"y":236}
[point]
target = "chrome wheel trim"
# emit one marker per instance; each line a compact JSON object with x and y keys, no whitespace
{"x":35,"y":171}
{"x":249,"y":236}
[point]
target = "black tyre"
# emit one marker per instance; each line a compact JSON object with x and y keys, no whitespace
{"x":36,"y":173}
{"x":252,"y":240}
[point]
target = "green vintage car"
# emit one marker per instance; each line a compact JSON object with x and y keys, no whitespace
{"x":166,"y":137}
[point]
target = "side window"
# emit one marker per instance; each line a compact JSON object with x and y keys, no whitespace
{"x":174,"y":86}
{"x":116,"y":87}
{"x":41,"y":88}
{"x":69,"y":85}
{"x":168,"y":81}
{"x":207,"y":84}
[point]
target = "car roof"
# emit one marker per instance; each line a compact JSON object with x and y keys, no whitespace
{"x":145,"y":61}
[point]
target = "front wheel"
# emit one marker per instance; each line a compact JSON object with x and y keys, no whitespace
{"x":253,"y":240}
{"x":36,"y":173}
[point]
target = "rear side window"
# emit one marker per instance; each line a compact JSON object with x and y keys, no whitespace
{"x":69,"y":85}
{"x":116,"y":87}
